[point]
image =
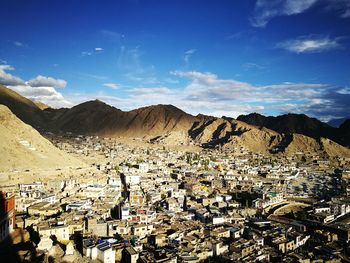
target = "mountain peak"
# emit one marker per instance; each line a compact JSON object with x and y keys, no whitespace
{"x":97,"y":117}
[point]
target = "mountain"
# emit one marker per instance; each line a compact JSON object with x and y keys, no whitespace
{"x":41,"y":105}
{"x":255,"y":119}
{"x":167,"y":124}
{"x":159,"y":119}
{"x":337,"y":122}
{"x":290,"y":123}
{"x":92,"y":117}
{"x":237,"y":135}
{"x":345,"y":126}
{"x":96,"y":117}
{"x":299,"y":124}
{"x":23,"y":148}
{"x":343,"y":133}
{"x":24,"y":108}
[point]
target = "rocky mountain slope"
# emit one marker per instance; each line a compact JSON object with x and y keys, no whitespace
{"x":290,"y":123}
{"x":96,"y":117}
{"x":22,"y":147}
{"x":24,"y":108}
{"x":41,"y":105}
{"x":300,"y":124}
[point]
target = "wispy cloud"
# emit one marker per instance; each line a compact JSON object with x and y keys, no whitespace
{"x":111,"y":85}
{"x":95,"y":51}
{"x":310,"y":44}
{"x":207,"y":89}
{"x":150,"y":91}
{"x":188,"y":54}
{"x":207,"y":86}
{"x":86,"y":53}
{"x":265,"y":10}
{"x":346,"y":14}
{"x":251,"y":66}
{"x":344,"y":91}
{"x":113,"y":36}
{"x":340,"y":7}
{"x":18,"y":44}
{"x":93,"y":76}
{"x":133,"y":68}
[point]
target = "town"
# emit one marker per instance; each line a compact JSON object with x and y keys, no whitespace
{"x":147,"y":202}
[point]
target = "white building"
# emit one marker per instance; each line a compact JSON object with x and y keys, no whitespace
{"x":101,"y":251}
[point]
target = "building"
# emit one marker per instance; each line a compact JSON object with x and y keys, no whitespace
{"x":7,"y":215}
{"x":130,"y":255}
{"x":100,"y":250}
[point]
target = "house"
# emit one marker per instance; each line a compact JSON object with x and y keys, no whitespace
{"x":142,"y":230}
{"x":100,"y":250}
{"x":7,"y":215}
{"x":130,"y":255}
{"x":58,"y":229}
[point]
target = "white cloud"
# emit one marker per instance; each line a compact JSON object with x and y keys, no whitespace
{"x":265,"y":10}
{"x":39,"y":89}
{"x":340,"y":7}
{"x":344,"y":91}
{"x":188,"y":55}
{"x":251,"y":66}
{"x":113,"y":36}
{"x":95,"y":51}
{"x":86,"y":53}
{"x":346,"y":14}
{"x":204,"y":93}
{"x":150,"y":91}
{"x":18,"y":44}
{"x":42,"y":81}
{"x":7,"y":78}
{"x":93,"y":76}
{"x":132,"y":67}
{"x":310,"y":44}
{"x":208,"y":94}
{"x":208,"y":89}
{"x":111,"y":85}
{"x":47,"y":95}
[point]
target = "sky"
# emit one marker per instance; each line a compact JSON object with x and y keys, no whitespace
{"x":215,"y":57}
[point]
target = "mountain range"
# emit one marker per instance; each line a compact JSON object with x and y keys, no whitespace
{"x":167,"y":124}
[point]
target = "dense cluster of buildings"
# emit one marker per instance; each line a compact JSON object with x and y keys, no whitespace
{"x":149,"y":204}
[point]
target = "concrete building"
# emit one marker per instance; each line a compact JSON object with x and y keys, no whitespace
{"x":130,"y":255}
{"x":7,"y":215}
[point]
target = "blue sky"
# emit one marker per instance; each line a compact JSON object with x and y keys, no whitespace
{"x":212,"y":57}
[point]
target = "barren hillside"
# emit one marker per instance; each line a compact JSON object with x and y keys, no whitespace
{"x":23,"y":148}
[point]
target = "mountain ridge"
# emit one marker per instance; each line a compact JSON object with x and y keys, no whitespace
{"x":298,"y":123}
{"x":168,"y":124}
